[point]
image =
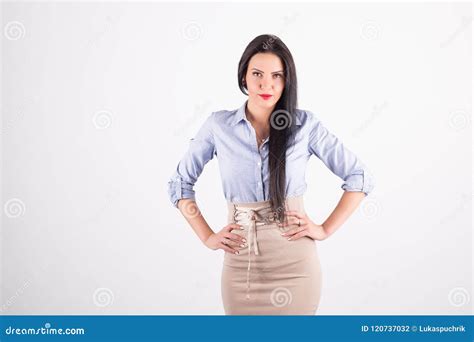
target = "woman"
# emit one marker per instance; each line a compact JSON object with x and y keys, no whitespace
{"x":271,"y":264}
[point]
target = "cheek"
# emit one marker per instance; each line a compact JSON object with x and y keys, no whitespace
{"x":279,"y":87}
{"x":252,"y":86}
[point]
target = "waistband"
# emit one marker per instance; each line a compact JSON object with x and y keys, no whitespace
{"x":259,"y":215}
{"x":262,"y":208}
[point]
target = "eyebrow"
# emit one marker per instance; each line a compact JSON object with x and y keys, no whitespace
{"x":275,"y":72}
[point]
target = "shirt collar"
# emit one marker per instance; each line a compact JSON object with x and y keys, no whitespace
{"x":240,"y":115}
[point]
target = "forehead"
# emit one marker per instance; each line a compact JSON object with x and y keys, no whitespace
{"x":267,"y":62}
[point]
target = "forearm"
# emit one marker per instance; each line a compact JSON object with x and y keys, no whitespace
{"x":349,"y":201}
{"x":190,"y":210}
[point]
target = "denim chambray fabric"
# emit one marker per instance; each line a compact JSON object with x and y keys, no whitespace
{"x":228,"y":135}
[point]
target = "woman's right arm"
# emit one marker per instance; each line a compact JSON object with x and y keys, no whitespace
{"x":181,"y":190}
{"x":224,"y":239}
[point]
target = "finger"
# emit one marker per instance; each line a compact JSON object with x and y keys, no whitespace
{"x":235,"y":237}
{"x":299,"y":235}
{"x":294,"y":213}
{"x":230,"y":243}
{"x":291,"y":222}
{"x":231,"y":226}
{"x":228,"y":249}
{"x":293,"y":231}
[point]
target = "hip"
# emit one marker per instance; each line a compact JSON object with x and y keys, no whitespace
{"x":264,"y":236}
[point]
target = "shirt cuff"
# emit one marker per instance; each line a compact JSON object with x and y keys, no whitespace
{"x":362,"y":181}
{"x":179,"y":189}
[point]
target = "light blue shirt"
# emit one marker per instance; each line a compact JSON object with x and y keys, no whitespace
{"x":228,"y":135}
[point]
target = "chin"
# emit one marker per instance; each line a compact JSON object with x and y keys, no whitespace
{"x":266,"y":103}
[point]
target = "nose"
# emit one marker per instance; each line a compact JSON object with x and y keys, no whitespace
{"x":266,"y":83}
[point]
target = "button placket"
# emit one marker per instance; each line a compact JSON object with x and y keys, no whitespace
{"x":260,"y":175}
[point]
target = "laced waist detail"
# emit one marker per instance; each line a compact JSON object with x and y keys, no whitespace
{"x":252,"y":218}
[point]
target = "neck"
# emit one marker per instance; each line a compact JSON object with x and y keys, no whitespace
{"x":258,"y":115}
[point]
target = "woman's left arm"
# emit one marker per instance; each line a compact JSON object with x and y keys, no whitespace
{"x":348,"y":203}
{"x":342,"y":161}
{"x":358,"y":182}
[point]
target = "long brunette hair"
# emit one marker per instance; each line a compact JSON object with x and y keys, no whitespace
{"x":282,"y":120}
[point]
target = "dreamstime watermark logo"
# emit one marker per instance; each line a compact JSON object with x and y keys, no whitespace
{"x":466,"y":199}
{"x":199,"y":110}
{"x":267,"y":44}
{"x":109,"y":198}
{"x":379,"y":283}
{"x":12,"y":299}
{"x":102,"y":119}
{"x":459,"y":119}
{"x":29,"y":104}
{"x":14,"y":208}
{"x":190,"y":209}
{"x":370,"y":30}
{"x":458,"y":296}
{"x":14,"y":30}
{"x":281,"y":296}
{"x":95,"y":39}
{"x":375,"y":113}
{"x":8,"y":124}
{"x":192,"y":30}
{"x":280,"y":119}
{"x":46,"y":330}
{"x":370,"y":208}
{"x":287,"y":20}
{"x":103,"y":297}
{"x":465,"y":23}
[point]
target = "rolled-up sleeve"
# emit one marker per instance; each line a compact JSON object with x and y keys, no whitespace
{"x":338,"y":158}
{"x":201,"y":149}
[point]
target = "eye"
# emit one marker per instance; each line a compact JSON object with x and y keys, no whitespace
{"x":256,"y":73}
{"x":278,"y":76}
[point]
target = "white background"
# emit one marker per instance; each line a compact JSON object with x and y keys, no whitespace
{"x":99,"y":101}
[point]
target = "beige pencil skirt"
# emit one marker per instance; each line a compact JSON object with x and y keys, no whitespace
{"x":271,"y":275}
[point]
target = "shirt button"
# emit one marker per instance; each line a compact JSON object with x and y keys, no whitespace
{"x":259,"y":183}
{"x":259,"y":163}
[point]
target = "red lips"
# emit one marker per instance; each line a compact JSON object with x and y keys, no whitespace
{"x":265,"y":96}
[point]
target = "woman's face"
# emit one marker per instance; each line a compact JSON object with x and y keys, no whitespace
{"x":265,"y":76}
